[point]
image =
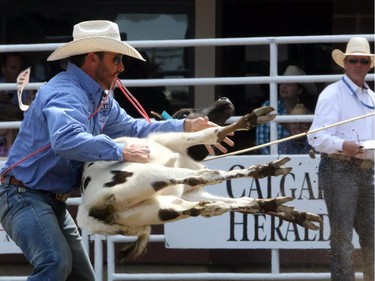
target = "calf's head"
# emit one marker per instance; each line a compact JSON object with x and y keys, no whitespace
{"x":218,"y":113}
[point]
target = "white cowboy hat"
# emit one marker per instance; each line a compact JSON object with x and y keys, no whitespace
{"x":293,"y":70}
{"x":95,"y":36}
{"x":357,"y":46}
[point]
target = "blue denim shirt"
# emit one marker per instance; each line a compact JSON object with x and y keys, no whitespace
{"x":57,"y":136}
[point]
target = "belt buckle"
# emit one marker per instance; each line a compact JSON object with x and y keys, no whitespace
{"x":62,"y":197}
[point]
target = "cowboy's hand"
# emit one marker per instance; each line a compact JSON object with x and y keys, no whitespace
{"x":351,"y":148}
{"x":136,"y":153}
{"x":200,"y":123}
{"x":197,"y":124}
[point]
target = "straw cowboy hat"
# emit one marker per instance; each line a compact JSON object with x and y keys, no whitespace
{"x":357,"y":46}
{"x":300,"y":109}
{"x":293,"y":70}
{"x":95,"y":36}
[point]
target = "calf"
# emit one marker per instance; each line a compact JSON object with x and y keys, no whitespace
{"x":218,"y":113}
{"x":127,"y":198}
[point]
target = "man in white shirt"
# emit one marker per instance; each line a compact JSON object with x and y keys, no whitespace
{"x":346,"y":169}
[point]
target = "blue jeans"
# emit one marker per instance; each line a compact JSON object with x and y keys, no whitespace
{"x":349,"y":196}
{"x":46,"y":233}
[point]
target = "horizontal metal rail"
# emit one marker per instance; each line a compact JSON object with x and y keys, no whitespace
{"x":226,"y":276}
{"x":210,"y":81}
{"x":43,"y":47}
{"x":112,"y":275}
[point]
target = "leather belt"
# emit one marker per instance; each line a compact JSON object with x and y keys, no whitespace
{"x":365,"y":164}
{"x":13,"y":181}
{"x":22,"y":188}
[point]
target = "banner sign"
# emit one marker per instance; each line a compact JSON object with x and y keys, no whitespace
{"x":236,"y":230}
{"x":7,"y":246}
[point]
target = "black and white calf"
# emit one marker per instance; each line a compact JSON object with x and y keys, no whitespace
{"x":127,"y":198}
{"x":218,"y":113}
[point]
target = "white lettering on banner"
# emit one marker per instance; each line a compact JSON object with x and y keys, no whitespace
{"x":236,"y":230}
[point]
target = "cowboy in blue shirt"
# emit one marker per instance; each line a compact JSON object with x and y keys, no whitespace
{"x":72,"y":120}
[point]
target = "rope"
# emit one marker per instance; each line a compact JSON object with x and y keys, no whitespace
{"x":291,"y":137}
{"x":133,"y":101}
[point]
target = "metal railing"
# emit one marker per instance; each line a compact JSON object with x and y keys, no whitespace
{"x":272,"y":80}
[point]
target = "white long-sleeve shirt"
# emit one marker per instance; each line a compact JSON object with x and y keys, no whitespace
{"x":338,"y":103}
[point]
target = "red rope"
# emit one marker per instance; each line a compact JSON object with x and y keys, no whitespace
{"x":25,"y":158}
{"x":133,"y":100}
{"x":99,"y":107}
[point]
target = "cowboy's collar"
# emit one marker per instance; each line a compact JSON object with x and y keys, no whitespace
{"x":354,"y":86}
{"x":88,"y":84}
